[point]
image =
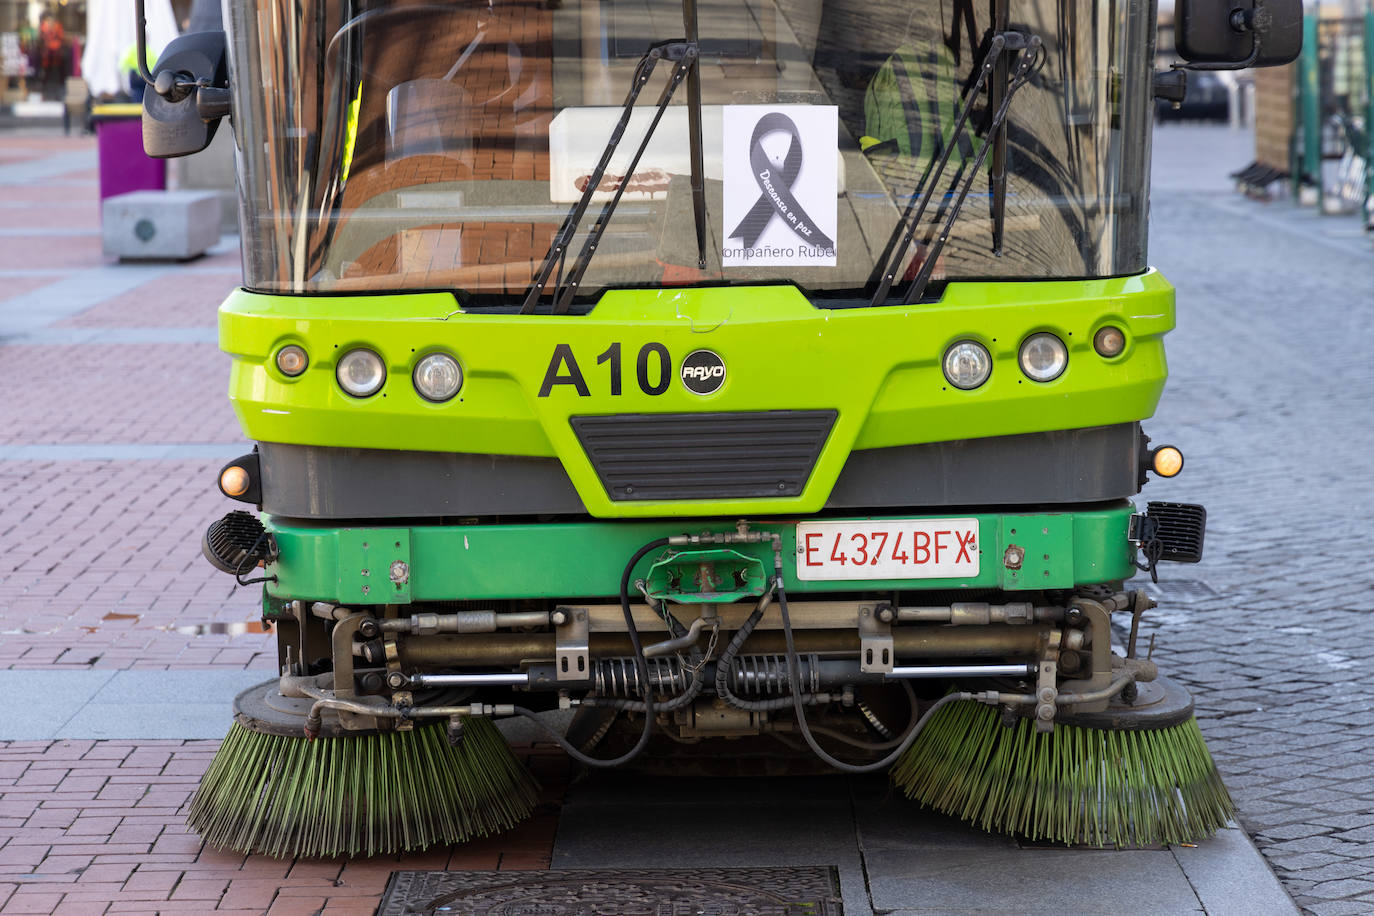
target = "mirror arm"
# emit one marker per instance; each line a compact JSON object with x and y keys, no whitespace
{"x":141,"y":34}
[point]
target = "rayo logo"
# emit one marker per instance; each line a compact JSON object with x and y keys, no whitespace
{"x":703,"y":372}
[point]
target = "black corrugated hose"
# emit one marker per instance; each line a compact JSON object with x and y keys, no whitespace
{"x":641,"y":666}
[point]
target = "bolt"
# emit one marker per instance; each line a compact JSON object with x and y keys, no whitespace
{"x":400,"y":572}
{"x":1013,"y":557}
{"x":886,"y":614}
{"x":397,"y":680}
{"x":558,"y":617}
{"x":368,"y":628}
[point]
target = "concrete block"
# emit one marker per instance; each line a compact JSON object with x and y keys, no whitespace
{"x":160,"y":225}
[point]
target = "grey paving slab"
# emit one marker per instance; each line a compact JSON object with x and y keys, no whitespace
{"x":917,"y":861}
{"x":1029,"y":881}
{"x":1231,"y":878}
{"x":71,"y":295}
{"x":39,"y":703}
{"x":31,"y":170}
{"x":48,"y":337}
{"x":618,"y":819}
{"x":123,"y":451}
{"x":121,"y":704}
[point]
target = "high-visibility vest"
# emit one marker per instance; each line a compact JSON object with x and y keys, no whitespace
{"x":913,"y":102}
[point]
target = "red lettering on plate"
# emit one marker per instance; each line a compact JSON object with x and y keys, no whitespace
{"x":835,"y":554}
{"x":939,"y":544}
{"x":899,"y":557}
{"x":861,"y":560}
{"x":878,"y":554}
{"x":964,"y":544}
{"x":810,"y":550}
{"x":920,"y":542}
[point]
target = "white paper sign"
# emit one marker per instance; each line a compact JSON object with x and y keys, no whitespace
{"x":780,"y":168}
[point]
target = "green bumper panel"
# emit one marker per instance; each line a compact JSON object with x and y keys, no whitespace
{"x":363,"y":566}
{"x":526,"y":376}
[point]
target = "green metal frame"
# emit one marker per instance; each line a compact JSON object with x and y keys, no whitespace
{"x":880,"y":368}
{"x":585,"y":559}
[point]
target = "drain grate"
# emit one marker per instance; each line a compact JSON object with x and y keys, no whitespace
{"x":813,"y":891}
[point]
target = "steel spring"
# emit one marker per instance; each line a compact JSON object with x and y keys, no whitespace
{"x":766,"y":675}
{"x":618,"y":677}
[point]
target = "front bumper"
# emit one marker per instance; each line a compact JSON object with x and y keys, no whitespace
{"x":402,"y":565}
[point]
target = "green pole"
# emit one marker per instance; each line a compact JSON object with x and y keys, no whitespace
{"x":1366,"y":217}
{"x":1309,"y":95}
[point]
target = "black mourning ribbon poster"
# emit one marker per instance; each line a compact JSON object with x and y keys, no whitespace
{"x":781,"y":172}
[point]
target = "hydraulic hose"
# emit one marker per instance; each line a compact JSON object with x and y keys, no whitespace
{"x":641,"y":667}
{"x":732,"y":649}
{"x":794,"y":676}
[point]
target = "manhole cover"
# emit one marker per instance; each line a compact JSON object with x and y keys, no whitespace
{"x":616,"y":892}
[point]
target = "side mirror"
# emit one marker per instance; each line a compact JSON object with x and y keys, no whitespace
{"x":1235,"y":34}
{"x":189,"y":95}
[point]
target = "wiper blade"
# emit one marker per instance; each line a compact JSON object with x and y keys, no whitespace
{"x":963,"y":180}
{"x":689,"y":25}
{"x":1029,"y":53}
{"x":893,"y":260}
{"x":685,"y":54}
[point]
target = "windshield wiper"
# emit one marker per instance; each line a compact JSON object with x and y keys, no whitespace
{"x":698,"y":179}
{"x":684,"y":53}
{"x":1029,"y":47}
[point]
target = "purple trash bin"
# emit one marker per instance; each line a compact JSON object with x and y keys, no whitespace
{"x":123,"y":165}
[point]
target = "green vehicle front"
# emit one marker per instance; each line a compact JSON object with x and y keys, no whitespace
{"x":847,"y":360}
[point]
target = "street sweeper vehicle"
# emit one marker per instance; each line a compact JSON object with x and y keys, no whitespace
{"x":744,"y":379}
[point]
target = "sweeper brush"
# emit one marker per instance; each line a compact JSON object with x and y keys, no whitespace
{"x":1077,"y":783}
{"x":370,"y":794}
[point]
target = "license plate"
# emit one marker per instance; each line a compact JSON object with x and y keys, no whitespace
{"x":926,"y":548}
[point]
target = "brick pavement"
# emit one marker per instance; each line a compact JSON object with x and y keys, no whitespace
{"x":99,"y":569}
{"x":94,"y":827}
{"x":100,"y":560}
{"x":1270,"y":396}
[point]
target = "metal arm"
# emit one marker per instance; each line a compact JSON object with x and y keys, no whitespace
{"x":1024,"y":61}
{"x":563,"y":295}
{"x":894,"y":265}
{"x":558,"y":250}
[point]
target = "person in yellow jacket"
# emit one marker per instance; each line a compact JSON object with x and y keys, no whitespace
{"x":128,"y":65}
{"x":910,"y":108}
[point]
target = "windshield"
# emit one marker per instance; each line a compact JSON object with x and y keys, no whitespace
{"x":398,"y":146}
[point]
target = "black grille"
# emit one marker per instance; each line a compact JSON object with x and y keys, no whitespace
{"x":1181,"y":529}
{"x":704,"y":455}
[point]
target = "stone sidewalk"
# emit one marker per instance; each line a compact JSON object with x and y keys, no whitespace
{"x":122,"y":423}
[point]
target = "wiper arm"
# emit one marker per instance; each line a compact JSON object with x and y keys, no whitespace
{"x":1030,"y":51}
{"x":1000,"y":42}
{"x":893,"y":260}
{"x":685,"y":53}
{"x":689,"y":25}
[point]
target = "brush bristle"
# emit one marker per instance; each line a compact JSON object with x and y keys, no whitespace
{"x":1073,"y":785}
{"x":364,"y":795}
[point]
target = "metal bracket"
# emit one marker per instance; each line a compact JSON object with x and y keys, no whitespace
{"x":572,"y":645}
{"x":400,"y":697}
{"x":876,"y":650}
{"x":1046,"y":693}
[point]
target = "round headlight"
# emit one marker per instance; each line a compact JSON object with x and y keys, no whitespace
{"x":361,"y":373}
{"x":437,"y":377}
{"x":967,"y":364}
{"x":1043,"y":357}
{"x":291,"y":360}
{"x":1109,"y":341}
